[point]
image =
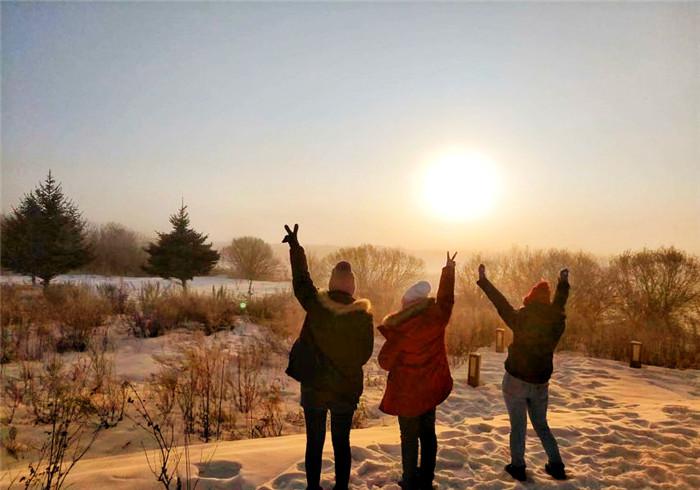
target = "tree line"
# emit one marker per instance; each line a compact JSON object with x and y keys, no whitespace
{"x":652,"y":295}
{"x":45,"y":235}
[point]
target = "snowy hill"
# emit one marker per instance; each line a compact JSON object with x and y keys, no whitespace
{"x":617,"y":427}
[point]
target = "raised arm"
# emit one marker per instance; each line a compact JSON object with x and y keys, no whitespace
{"x":505,"y":310}
{"x":304,"y":288}
{"x":562,"y":292}
{"x":446,"y":290}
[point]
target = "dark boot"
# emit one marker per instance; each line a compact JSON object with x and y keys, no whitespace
{"x":517,"y":472}
{"x":555,"y":470}
{"x":423,"y":482}
{"x":412,"y":484}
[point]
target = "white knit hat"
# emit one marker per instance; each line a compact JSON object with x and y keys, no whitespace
{"x":418,"y":291}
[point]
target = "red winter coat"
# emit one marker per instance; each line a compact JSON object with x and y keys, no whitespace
{"x":414,"y":353}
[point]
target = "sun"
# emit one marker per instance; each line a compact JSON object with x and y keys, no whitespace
{"x":460,"y":186}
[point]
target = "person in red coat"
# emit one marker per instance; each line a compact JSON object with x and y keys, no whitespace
{"x":419,"y":375}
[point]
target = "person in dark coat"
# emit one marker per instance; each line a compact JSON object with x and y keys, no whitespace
{"x":537,"y":328}
{"x":419,"y":375}
{"x":336,"y":340}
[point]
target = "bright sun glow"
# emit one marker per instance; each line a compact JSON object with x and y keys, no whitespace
{"x":460,"y":186}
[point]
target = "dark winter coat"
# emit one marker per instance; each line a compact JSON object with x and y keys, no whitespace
{"x":414,"y":353}
{"x":336,"y":340}
{"x":537,"y":329}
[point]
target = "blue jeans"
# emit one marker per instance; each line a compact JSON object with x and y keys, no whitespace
{"x":522,"y":399}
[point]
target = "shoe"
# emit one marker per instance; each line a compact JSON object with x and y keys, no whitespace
{"x":555,"y":470}
{"x":517,"y":472}
{"x":423,"y":482}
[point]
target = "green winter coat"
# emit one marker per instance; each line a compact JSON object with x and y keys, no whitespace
{"x":336,"y":340}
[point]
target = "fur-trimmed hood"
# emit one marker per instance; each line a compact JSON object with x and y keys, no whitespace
{"x":399,"y":317}
{"x":342,"y":308}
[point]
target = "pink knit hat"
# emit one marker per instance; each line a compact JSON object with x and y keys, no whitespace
{"x":342,"y":278}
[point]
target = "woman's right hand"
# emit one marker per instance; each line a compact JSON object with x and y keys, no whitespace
{"x":482,"y":271}
{"x":564,"y":275}
{"x":291,"y":237}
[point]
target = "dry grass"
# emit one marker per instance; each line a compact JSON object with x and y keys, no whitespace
{"x":154,"y":310}
{"x":652,"y":296}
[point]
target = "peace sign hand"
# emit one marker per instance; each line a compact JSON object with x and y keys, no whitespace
{"x":450,"y":260}
{"x":564,"y":275}
{"x":291,"y":237}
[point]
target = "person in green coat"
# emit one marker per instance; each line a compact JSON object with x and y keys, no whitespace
{"x":537,"y":328}
{"x":336,"y":341}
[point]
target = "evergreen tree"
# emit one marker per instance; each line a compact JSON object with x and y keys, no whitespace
{"x":45,"y":235}
{"x":182,"y":253}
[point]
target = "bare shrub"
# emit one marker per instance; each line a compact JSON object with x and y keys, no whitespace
{"x":72,"y":429}
{"x":107,"y":394}
{"x":14,"y":395}
{"x":246,"y":380}
{"x":8,"y":440}
{"x":280,"y":312}
{"x":116,"y":295}
{"x":195,"y":379}
{"x":165,"y":460}
{"x":78,"y":312}
{"x":295,"y":417}
{"x":25,"y":324}
{"x":155,"y":310}
{"x":361,"y":415}
{"x":271,"y":422}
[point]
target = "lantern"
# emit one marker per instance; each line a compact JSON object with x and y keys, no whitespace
{"x":635,"y":354}
{"x":474,"y":369}
{"x":500,"y":339}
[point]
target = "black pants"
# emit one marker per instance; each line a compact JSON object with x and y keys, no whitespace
{"x":414,"y":429}
{"x":341,"y":422}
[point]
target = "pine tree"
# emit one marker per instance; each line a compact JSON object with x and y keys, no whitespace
{"x":45,"y":235}
{"x":182,"y":253}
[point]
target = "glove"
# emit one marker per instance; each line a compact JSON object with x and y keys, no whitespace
{"x":291,"y":237}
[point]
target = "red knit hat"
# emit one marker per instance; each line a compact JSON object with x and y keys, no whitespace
{"x":538,"y":294}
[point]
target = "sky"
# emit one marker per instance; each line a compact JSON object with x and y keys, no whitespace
{"x":329,"y":115}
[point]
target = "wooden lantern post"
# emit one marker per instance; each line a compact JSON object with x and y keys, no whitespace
{"x":635,"y":354}
{"x":474,"y":367}
{"x":500,"y":339}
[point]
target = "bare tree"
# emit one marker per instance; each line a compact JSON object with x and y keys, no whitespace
{"x":657,"y":301}
{"x":252,"y":259}
{"x":118,"y":251}
{"x":382,"y":273}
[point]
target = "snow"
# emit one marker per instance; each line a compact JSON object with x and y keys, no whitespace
{"x":200,"y":283}
{"x":618,"y":428}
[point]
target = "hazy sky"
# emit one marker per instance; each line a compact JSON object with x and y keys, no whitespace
{"x":327,"y":115}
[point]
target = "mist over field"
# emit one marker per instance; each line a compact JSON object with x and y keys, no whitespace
{"x":220,"y":221}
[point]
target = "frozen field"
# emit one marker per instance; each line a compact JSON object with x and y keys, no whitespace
{"x":617,"y":427}
{"x":204,"y":284}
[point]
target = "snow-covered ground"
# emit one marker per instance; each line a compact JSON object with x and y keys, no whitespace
{"x":618,"y":428}
{"x":202,"y":283}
